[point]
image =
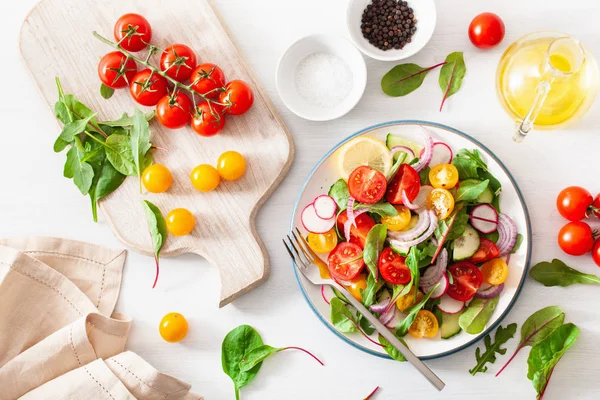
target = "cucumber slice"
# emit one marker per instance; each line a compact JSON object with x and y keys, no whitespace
{"x":450,"y":325}
{"x":486,"y":197}
{"x":403,"y":251}
{"x":466,"y":245}
{"x":394,"y":140}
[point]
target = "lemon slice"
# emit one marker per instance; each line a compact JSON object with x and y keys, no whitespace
{"x":364,"y":151}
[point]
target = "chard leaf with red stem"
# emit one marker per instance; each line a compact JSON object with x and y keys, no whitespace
{"x":158,"y":231}
{"x":404,"y":79}
{"x":451,"y":75}
{"x":259,"y":354}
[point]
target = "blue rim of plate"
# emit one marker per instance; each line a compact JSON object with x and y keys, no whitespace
{"x":519,"y":194}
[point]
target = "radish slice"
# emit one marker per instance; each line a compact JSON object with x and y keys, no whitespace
{"x":442,"y":154}
{"x":396,"y":319}
{"x":450,"y":306}
{"x":422,"y":196}
{"x":442,"y":288}
{"x":312,"y":222}
{"x":325,"y":206}
{"x":484,"y":218}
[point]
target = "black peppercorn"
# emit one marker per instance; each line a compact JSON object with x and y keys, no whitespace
{"x":388,"y":24}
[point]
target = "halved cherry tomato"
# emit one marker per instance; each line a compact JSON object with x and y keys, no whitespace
{"x":345,"y":261}
{"x":576,"y":238}
{"x":467,"y":278}
{"x":237,"y":97}
{"x":207,"y":79}
{"x":174,"y":110}
{"x":133,"y":31}
{"x":487,"y":251}
{"x":392,"y":267}
{"x":573,"y":203}
{"x":397,"y":222}
{"x":596,"y":252}
{"x":409,"y":299}
{"x":208,"y":120}
{"x":367,"y":185}
{"x":178,"y":61}
{"x":425,"y":325}
{"x":406,"y":179}
{"x":494,"y":271}
{"x":358,"y":233}
{"x":443,"y":176}
{"x":116,"y":70}
{"x":441,"y":201}
{"x":322,"y":242}
{"x":356,"y":285}
{"x":147,"y":88}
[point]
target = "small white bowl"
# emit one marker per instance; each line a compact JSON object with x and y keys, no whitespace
{"x":425,"y":13}
{"x":297,"y":52}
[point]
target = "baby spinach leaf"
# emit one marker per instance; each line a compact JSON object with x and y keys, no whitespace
{"x":106,"y":91}
{"x":557,"y":273}
{"x":370,"y":292}
{"x":474,"y":319}
{"x":503,"y":335}
{"x":404,"y":79}
{"x":397,"y":163}
{"x":81,"y":172}
{"x":158,"y":231}
{"x":424,"y":175}
{"x":140,"y":142}
{"x":120,"y":155}
{"x":126,"y":120}
{"x":451,"y":75}
{"x":106,"y":180}
{"x":470,"y":190}
{"x":257,"y":355}
{"x":467,"y":168}
{"x":339,"y":192}
{"x":373,"y":247}
{"x":402,"y":328}
{"x":239,"y":342}
{"x":391,"y":350}
{"x":341,"y":317}
{"x":518,"y":244}
{"x":382,"y":209}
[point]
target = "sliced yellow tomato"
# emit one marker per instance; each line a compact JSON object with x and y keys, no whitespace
{"x":413,"y":222}
{"x":443,"y":176}
{"x":425,"y":325}
{"x":323,"y":242}
{"x":397,"y":222}
{"x":409,"y":299}
{"x":441,"y":201}
{"x":495,"y":271}
{"x":357,"y":284}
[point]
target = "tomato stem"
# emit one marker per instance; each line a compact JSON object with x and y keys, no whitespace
{"x":303,"y":350}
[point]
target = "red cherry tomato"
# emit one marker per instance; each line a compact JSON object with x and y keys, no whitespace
{"x":486,"y":30}
{"x":178,"y":61}
{"x":487,"y":251}
{"x":237,"y":97}
{"x":344,"y":262}
{"x":392,"y":267}
{"x":467,"y":278}
{"x":596,"y":206}
{"x":367,"y":185}
{"x":573,"y":203}
{"x":596,"y":252}
{"x":133,"y":31}
{"x":174,"y":110}
{"x":576,"y":238}
{"x":208,"y":119}
{"x":207,"y":79}
{"x":116,"y":70}
{"x":407,"y":179}
{"x":358,"y":233}
{"x":147,"y":88}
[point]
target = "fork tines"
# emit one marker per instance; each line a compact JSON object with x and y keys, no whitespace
{"x":298,"y":249}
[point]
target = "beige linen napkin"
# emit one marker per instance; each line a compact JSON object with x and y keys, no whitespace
{"x":57,"y":326}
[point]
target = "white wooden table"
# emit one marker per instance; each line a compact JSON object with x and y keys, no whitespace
{"x":36,"y":200}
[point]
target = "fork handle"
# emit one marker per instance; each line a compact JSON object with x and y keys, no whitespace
{"x":386,"y":333}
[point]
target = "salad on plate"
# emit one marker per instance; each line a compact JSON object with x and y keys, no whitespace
{"x":415,"y":232}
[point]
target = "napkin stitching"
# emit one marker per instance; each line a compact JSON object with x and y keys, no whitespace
{"x":101,"y":286}
{"x":108,"y":333}
{"x":99,"y":384}
{"x":63,"y":255}
{"x":139,"y":379}
{"x":73,"y":345}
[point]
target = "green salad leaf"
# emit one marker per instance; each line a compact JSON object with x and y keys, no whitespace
{"x":126,"y":121}
{"x":158,"y":231}
{"x":404,"y":79}
{"x":503,"y":335}
{"x":402,"y":328}
{"x":476,"y":316}
{"x":106,"y":91}
{"x":370,"y":292}
{"x":81,"y":172}
{"x":451,"y":75}
{"x":557,"y":273}
{"x":239,"y":342}
{"x":256,"y":356}
{"x":424,"y":175}
{"x":391,"y":350}
{"x":106,"y":180}
{"x":341,"y":317}
{"x":373,"y":247}
{"x":383,"y":209}
{"x":339,"y":192}
{"x":455,"y":225}
{"x":470,"y":190}
{"x":518,"y":243}
{"x":397,"y":163}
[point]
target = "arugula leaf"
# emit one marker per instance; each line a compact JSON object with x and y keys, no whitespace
{"x":106,"y":91}
{"x":474,"y":319}
{"x":402,"y":328}
{"x":140,"y":142}
{"x":158,"y":231}
{"x":404,"y":79}
{"x":495,"y":185}
{"x":424,"y":175}
{"x":370,"y":292}
{"x":126,"y":121}
{"x":341,"y":317}
{"x":106,"y":180}
{"x":470,"y":191}
{"x":544,"y":356}
{"x":373,"y":247}
{"x":451,"y":75}
{"x":397,"y":163}
{"x":557,"y":273}
{"x":518,"y":244}
{"x":382,"y":209}
{"x":503,"y":335}
{"x":391,"y":350}
{"x":239,"y":342}
{"x":474,"y":156}
{"x":339,"y":192}
{"x":82,"y":173}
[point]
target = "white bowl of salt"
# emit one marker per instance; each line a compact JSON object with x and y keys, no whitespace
{"x":321,"y":77}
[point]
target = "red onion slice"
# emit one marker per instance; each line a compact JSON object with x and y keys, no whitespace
{"x":507,"y":234}
{"x":388,"y":316}
{"x":424,"y":237}
{"x":348,"y":224}
{"x":405,"y":149}
{"x":421,"y":198}
{"x":426,"y":154}
{"x":351,"y":217}
{"x":407,"y":202}
{"x":433,"y":274}
{"x":490,"y":292}
{"x":421,"y":226}
{"x":383,"y":302}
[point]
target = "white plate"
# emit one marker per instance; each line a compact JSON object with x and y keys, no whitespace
{"x":511,"y":203}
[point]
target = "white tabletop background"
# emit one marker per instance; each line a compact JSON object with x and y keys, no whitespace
{"x":36,"y":200}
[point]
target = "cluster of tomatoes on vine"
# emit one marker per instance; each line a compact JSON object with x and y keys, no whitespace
{"x":577,"y":237}
{"x":165,"y":87}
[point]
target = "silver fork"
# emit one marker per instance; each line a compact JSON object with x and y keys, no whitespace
{"x":310,"y":264}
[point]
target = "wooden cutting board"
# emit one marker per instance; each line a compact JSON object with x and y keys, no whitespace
{"x":56,"y":40}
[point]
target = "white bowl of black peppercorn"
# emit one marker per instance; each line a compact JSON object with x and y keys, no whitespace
{"x":390,"y":30}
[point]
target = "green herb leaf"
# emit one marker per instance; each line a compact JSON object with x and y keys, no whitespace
{"x":140,"y":142}
{"x":119,"y":153}
{"x":503,"y":335}
{"x":106,"y":92}
{"x":470,"y":190}
{"x":451,"y":75}
{"x":373,"y":247}
{"x":239,"y":342}
{"x":126,"y":121}
{"x":382,"y":209}
{"x":106,"y":180}
{"x":544,"y":356}
{"x":341,"y":317}
{"x":404,"y":79}
{"x":557,"y":273}
{"x":391,"y":350}
{"x":82,"y":173}
{"x":256,"y":356}
{"x":339,"y":192}
{"x":474,"y":319}
{"x":402,"y":328}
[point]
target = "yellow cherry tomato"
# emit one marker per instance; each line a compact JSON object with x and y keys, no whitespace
{"x":358,"y":283}
{"x":397,"y":222}
{"x":413,"y":222}
{"x":409,"y":299}
{"x":441,"y":201}
{"x":157,"y":178}
{"x":425,"y":325}
{"x":180,"y":222}
{"x":495,"y":271}
{"x":443,"y":176}
{"x":173,"y":327}
{"x":231,"y":165}
{"x":323,"y":242}
{"x":205,"y":178}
